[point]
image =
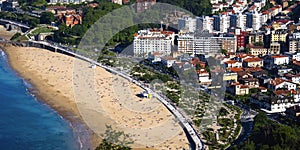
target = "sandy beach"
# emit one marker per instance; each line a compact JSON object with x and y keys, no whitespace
{"x":95,"y":98}
{"x":6,"y":34}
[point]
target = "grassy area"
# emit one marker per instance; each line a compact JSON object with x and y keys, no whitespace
{"x":39,"y":30}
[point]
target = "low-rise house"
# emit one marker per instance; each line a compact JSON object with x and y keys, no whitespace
{"x":253,"y":62}
{"x":234,"y":69}
{"x":276,"y":103}
{"x":233,"y":63}
{"x":276,"y":60}
{"x":230,"y":76}
{"x":155,"y":57}
{"x":204,"y":77}
{"x":242,"y":56}
{"x":293,"y":112}
{"x":250,"y":82}
{"x":293,"y":78}
{"x":264,"y":80}
{"x":279,"y":83}
{"x":238,"y":89}
{"x":168,"y":61}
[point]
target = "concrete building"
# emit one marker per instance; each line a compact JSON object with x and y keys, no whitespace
{"x":188,"y":24}
{"x":249,"y":19}
{"x":186,"y":43}
{"x":153,"y":40}
{"x":294,"y":45}
{"x":241,"y":21}
{"x":256,"y":21}
{"x":275,"y":48}
{"x":258,"y":50}
{"x":257,"y":37}
{"x":279,"y":36}
{"x":272,"y":60}
{"x":216,"y":23}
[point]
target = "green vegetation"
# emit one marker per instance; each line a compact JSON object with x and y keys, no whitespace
{"x":268,"y":134}
{"x":33,"y":3}
{"x":41,"y":30}
{"x":31,"y":21}
{"x":15,"y":36}
{"x":47,"y":18}
{"x":19,"y":37}
{"x":267,"y":6}
{"x":107,"y":57}
{"x":114,"y":140}
{"x":258,"y":44}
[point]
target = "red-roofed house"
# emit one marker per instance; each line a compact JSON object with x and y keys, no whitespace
{"x":203,"y":77}
{"x":238,"y":89}
{"x":279,"y":83}
{"x":233,"y":63}
{"x":253,"y":62}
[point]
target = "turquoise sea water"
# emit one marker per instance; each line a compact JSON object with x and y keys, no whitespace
{"x":26,"y":123}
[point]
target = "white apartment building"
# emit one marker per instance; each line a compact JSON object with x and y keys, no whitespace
{"x":241,"y":21}
{"x":205,"y":44}
{"x":153,"y":40}
{"x":256,"y":21}
{"x":207,"y":23}
{"x":294,"y":45}
{"x":188,"y":24}
{"x":186,"y":43}
{"x":224,"y":23}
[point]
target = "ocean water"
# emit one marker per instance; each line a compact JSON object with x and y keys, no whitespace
{"x":26,"y":123}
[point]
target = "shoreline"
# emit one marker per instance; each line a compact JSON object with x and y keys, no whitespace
{"x":56,"y":82}
{"x":85,"y":137}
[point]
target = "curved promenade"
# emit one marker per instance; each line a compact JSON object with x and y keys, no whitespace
{"x":189,"y":128}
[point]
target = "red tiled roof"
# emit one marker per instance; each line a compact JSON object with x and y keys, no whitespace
{"x":252,"y":59}
{"x":279,"y":56}
{"x":235,"y":69}
{"x":230,"y":62}
{"x":277,"y":81}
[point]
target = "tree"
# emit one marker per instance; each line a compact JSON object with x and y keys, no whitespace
{"x":114,"y":140}
{"x":224,"y":51}
{"x":47,"y":18}
{"x":247,"y":50}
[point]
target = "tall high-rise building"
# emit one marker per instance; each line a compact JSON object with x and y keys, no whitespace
{"x":241,"y":21}
{"x":249,"y":20}
{"x":216,"y":22}
{"x":233,"y":20}
{"x":206,"y":44}
{"x":256,"y":21}
{"x":224,"y":23}
{"x":188,"y":24}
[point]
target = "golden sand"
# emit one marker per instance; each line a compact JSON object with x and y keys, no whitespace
{"x":96,"y":98}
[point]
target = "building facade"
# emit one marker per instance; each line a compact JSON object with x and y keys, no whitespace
{"x":152,"y":40}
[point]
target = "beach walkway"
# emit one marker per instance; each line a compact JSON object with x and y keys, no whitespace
{"x":182,"y":119}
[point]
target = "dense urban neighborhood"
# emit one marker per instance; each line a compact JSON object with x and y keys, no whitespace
{"x":244,"y":54}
